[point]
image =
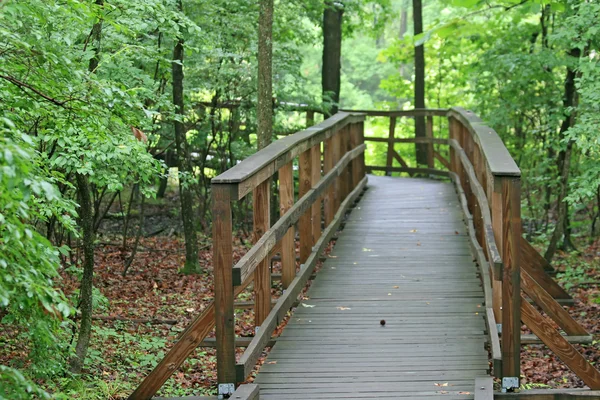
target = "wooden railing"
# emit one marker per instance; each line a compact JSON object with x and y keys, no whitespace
{"x":488,"y":182}
{"x":334,"y":177}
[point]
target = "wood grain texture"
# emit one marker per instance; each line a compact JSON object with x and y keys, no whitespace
{"x":328,"y":200}
{"x":536,"y":266}
{"x":315,"y":176}
{"x":390,"y":147}
{"x":305,"y":222}
{"x":262,"y":275}
{"x":542,"y":328}
{"x":554,"y":310}
{"x":511,"y":287}
{"x":248,"y":391}
{"x":429,"y":134}
{"x":288,"y":247}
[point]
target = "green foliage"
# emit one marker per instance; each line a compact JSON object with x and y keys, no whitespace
{"x":28,"y":262}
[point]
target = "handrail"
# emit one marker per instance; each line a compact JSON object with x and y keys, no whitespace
{"x":415,"y":112}
{"x":495,"y":152}
{"x":248,"y":174}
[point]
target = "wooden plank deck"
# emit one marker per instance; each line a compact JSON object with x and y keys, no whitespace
{"x":403,"y":257}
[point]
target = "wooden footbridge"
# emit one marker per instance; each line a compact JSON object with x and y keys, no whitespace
{"x":424,"y":294}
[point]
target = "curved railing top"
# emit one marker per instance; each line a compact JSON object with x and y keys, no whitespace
{"x":260,"y":166}
{"x":499,"y":160}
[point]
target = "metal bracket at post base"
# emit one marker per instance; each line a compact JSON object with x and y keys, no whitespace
{"x":509,"y":383}
{"x":226,"y":390}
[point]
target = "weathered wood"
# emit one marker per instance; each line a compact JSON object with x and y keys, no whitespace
{"x":496,"y":155}
{"x":248,"y":360}
{"x":441,"y":159}
{"x":286,"y":202}
{"x":261,"y":249}
{"x":484,"y":388}
{"x":481,"y":199}
{"x":399,"y":159}
{"x":239,"y":342}
{"x":511,"y":277}
{"x":551,"y":394}
{"x":305,"y":221}
{"x":410,"y":171}
{"x":328,"y":200}
{"x":390,"y":146}
{"x":248,"y":391}
{"x":560,"y":346}
{"x":245,"y":176}
{"x":532,"y":339}
{"x":554,"y":310}
{"x":535,"y":264}
{"x":356,"y":163}
{"x":496,"y":212}
{"x":407,"y":140}
{"x":436,"y":112}
{"x":315,"y":176}
{"x":429,"y":134}
{"x":262,"y":275}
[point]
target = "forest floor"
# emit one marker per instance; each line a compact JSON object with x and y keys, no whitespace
{"x":139,"y":316}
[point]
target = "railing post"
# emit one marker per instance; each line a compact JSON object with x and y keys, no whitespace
{"x":361,"y":140}
{"x":354,"y":142}
{"x":305,"y":223}
{"x":261,"y":196}
{"x":429,"y":135}
{"x":336,"y":144}
{"x":315,"y":176}
{"x":511,"y":281}
{"x":328,"y":162}
{"x":286,"y":201}
{"x":390,"y":149}
{"x":223,"y":281}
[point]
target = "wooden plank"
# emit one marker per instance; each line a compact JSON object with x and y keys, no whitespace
{"x":315,"y":176}
{"x":511,"y":277}
{"x":248,"y":360}
{"x":418,"y":112}
{"x":390,"y":146}
{"x":560,"y":346}
{"x":429,"y":134}
{"x":441,"y":159}
{"x":399,"y":159}
{"x":223,"y":284}
{"x":407,"y":140}
{"x":262,"y":274}
{"x":551,"y":394}
{"x":248,"y":391}
{"x":535,"y":265}
{"x":496,"y":212}
{"x":410,"y":171}
{"x":328,"y":162}
{"x":356,"y":163}
{"x":484,"y":388}
{"x":267,"y":242}
{"x":286,"y":202}
{"x":497,"y":156}
{"x":305,"y":222}
{"x":554,"y":310}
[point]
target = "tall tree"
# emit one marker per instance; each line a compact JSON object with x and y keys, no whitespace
{"x":186,"y":170}
{"x":332,"y":53}
{"x":86,"y":215}
{"x":419,"y":81}
{"x":264,"y":111}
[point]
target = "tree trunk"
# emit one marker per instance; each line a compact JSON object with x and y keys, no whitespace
{"x":186,"y":192}
{"x":564,"y":159}
{"x":86,"y":215}
{"x":421,"y":148}
{"x":264,"y":112}
{"x":332,"y":54}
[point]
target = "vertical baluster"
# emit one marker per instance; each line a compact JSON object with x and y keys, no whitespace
{"x":315,"y":176}
{"x":305,"y":223}
{"x":390,"y":149}
{"x":286,"y":201}
{"x":262,"y":275}
{"x":223,"y":281}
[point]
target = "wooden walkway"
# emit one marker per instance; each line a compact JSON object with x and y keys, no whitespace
{"x":404,"y":258}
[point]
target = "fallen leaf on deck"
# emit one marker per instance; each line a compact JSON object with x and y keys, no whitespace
{"x":396,"y":287}
{"x":330,"y":256}
{"x":365,"y":249}
{"x":272,"y":362}
{"x":307,"y":305}
{"x":464,"y":392}
{"x":343,"y":308}
{"x":441,"y":384}
{"x":413,"y":231}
